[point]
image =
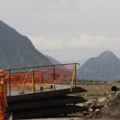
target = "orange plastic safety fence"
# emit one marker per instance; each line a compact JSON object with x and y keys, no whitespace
{"x":26,"y":81}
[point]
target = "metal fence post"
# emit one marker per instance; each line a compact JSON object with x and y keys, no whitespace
{"x":9,"y":82}
{"x":33,"y":78}
{"x":54,"y":78}
{"x":75,"y":75}
{"x":42,"y":78}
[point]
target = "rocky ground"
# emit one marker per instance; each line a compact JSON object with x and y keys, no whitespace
{"x":105,"y":106}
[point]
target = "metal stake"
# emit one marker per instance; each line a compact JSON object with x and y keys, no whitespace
{"x":33,"y":81}
{"x":75,"y":74}
{"x":9,"y":82}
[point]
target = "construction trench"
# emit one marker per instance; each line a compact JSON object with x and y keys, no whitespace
{"x":28,"y":96}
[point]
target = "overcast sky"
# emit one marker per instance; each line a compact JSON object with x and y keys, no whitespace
{"x":66,"y":29}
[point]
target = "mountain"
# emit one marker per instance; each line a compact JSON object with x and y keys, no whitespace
{"x":52,"y":60}
{"x":17,"y":50}
{"x":104,"y":67}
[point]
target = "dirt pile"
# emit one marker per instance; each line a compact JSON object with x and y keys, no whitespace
{"x":111,"y":108}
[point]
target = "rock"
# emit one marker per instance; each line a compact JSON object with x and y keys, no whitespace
{"x":90,"y":110}
{"x":80,"y":104}
{"x":105,"y":106}
{"x":91,"y":102}
{"x":102,"y":99}
{"x":97,"y":110}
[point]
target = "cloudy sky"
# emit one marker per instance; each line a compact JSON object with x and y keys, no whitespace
{"x":66,"y":29}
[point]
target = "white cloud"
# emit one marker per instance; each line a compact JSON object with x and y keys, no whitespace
{"x":83,"y":47}
{"x":84,"y":41}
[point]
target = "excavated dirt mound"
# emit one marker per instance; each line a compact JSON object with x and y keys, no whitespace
{"x":111,"y":109}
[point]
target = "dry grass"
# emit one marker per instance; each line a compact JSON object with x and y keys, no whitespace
{"x":97,"y":89}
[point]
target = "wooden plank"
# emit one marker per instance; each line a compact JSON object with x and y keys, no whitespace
{"x":42,"y":95}
{"x":44,"y":103}
{"x":49,"y":112}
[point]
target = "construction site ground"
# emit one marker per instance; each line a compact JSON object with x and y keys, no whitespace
{"x":102,"y":104}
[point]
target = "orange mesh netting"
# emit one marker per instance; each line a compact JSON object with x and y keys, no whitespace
{"x":30,"y":79}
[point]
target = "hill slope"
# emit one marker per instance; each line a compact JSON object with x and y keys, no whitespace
{"x":17,"y":50}
{"x":53,"y":61}
{"x":104,"y":67}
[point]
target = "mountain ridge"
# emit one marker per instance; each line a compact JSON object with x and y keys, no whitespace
{"x":18,"y":50}
{"x":104,"y":67}
{"x":53,"y":61}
